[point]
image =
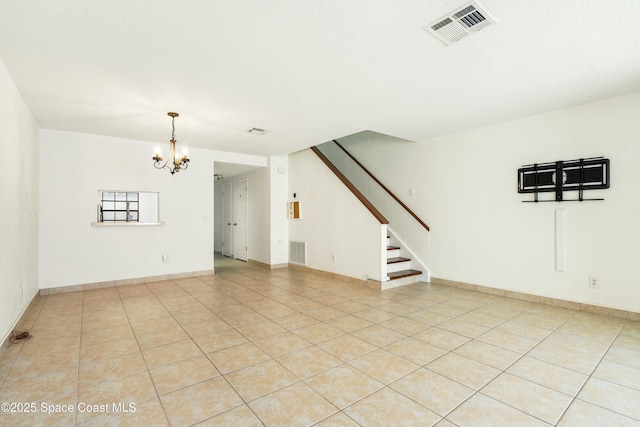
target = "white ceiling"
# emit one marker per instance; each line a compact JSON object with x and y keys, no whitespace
{"x":308,"y":70}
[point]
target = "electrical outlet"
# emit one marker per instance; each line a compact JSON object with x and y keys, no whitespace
{"x":333,"y":258}
{"x":594,"y":282}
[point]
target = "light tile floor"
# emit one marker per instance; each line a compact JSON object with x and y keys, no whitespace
{"x":251,"y":346}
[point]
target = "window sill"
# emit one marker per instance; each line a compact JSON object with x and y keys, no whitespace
{"x":124,"y":224}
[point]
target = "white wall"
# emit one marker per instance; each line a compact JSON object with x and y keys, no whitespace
{"x":259,"y":218}
{"x":279,"y":224}
{"x":466,"y":189}
{"x":73,"y":167}
{"x":18,"y":205}
{"x":333,"y":221}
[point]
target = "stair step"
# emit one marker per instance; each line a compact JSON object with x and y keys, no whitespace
{"x":403,"y":273}
{"x":397,"y":259}
{"x":392,"y":248}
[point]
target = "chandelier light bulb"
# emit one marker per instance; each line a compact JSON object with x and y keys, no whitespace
{"x":157,"y":154}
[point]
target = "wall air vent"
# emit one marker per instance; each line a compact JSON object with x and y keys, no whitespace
{"x":298,"y":252}
{"x":460,"y":23}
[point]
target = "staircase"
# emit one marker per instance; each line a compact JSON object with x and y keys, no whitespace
{"x":407,"y":242}
{"x":398,"y":267}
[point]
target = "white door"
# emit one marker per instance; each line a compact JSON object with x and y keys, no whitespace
{"x":227,"y":219}
{"x":240,"y":214}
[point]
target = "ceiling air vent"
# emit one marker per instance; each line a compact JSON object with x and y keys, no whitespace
{"x":460,"y":23}
{"x":257,"y":131}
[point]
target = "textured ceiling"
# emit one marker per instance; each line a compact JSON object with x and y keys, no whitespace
{"x":308,"y":70}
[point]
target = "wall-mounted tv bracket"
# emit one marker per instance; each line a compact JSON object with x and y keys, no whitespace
{"x":574,"y":175}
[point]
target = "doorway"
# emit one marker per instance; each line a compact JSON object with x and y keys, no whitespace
{"x":235,"y":219}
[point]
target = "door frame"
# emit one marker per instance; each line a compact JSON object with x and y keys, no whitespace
{"x":245,"y":211}
{"x":227,"y":219}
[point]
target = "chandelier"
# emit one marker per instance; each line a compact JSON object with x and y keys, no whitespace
{"x":177,"y":162}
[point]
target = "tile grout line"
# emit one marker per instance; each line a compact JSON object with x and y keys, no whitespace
{"x":524,"y":354}
{"x":574,"y":398}
{"x":135,"y":336}
{"x":222,"y":374}
{"x":479,"y":391}
{"x":21,"y":344}
{"x":196,"y":344}
{"x":302,"y":380}
{"x":77,"y":391}
{"x":262,"y":292}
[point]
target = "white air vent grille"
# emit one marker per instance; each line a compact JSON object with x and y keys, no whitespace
{"x":298,"y":252}
{"x":460,"y":23}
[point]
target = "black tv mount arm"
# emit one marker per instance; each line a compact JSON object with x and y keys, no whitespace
{"x":564,"y":175}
